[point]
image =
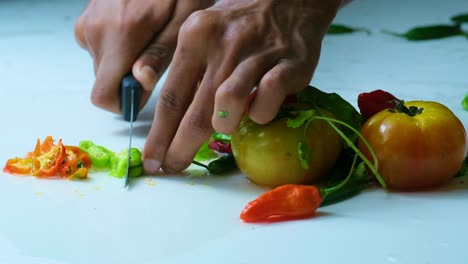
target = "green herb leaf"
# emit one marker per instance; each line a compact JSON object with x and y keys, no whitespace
{"x":303,"y":117}
{"x":205,"y":153}
{"x":223,"y":114}
{"x":335,"y":104}
{"x":465,"y":103}
{"x":336,"y":29}
{"x":429,"y":32}
{"x":305,"y":153}
{"x":459,"y":19}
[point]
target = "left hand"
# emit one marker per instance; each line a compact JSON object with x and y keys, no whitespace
{"x":224,"y":52}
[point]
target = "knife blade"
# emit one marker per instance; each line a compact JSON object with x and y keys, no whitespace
{"x":130,"y":94}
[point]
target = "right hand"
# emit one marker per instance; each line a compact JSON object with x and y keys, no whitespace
{"x":131,"y":35}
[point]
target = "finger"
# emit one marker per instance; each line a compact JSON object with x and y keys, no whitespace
{"x":195,"y":127}
{"x":232,"y":95}
{"x":79,"y":32}
{"x":174,"y":99}
{"x":285,"y":78}
{"x":155,"y":59}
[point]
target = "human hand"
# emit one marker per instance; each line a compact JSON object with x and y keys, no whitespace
{"x":136,"y":35}
{"x":222,"y":54}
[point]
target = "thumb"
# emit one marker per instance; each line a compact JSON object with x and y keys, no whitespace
{"x":152,"y":63}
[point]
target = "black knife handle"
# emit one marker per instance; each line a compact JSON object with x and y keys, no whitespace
{"x":128,"y":84}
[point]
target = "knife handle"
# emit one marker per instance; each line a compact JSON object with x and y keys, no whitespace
{"x":128,"y":84}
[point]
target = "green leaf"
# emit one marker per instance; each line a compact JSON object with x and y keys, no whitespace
{"x":205,"y":153}
{"x":428,"y":32}
{"x":335,"y":104}
{"x":459,"y":19}
{"x":305,"y":153}
{"x":303,"y":117}
{"x":336,"y":29}
{"x":465,"y":103}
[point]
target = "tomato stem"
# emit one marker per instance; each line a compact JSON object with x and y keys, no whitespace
{"x":411,"y":111}
{"x":372,"y":167}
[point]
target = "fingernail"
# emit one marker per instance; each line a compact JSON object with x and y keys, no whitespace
{"x":150,"y":76}
{"x":151,"y":166}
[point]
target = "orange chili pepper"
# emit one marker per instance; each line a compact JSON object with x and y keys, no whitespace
{"x":285,"y":202}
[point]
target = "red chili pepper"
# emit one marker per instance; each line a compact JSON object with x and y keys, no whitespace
{"x":373,"y":102}
{"x":249,"y":101}
{"x":286,"y":202}
{"x":221,"y":147}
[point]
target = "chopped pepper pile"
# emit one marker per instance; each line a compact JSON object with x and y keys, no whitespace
{"x":50,"y":160}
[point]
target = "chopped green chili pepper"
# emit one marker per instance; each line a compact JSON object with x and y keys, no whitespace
{"x":216,"y":136}
{"x":429,"y":32}
{"x":99,"y":155}
{"x":119,"y":163}
{"x":336,"y":29}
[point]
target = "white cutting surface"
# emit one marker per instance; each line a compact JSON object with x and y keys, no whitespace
{"x":45,"y":87}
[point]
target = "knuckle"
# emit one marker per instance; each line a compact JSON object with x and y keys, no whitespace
{"x":157,"y":51}
{"x":230,"y":92}
{"x":169,"y":102}
{"x":199,"y":22}
{"x":275,"y":79}
{"x":200,"y":124}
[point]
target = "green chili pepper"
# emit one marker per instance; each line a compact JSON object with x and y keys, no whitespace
{"x":216,"y":136}
{"x":119,"y":163}
{"x":219,"y":166}
{"x":336,"y":29}
{"x":429,"y":32}
{"x":99,"y":155}
{"x":342,"y":194}
{"x":459,"y":19}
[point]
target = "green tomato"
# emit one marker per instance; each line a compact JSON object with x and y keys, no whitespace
{"x":268,"y":154}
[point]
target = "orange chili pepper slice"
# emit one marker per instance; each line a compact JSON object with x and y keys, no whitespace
{"x":19,"y":166}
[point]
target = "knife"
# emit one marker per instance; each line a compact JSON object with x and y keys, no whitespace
{"x":130,"y":94}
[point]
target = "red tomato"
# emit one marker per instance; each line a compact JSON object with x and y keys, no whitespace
{"x":417,"y":149}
